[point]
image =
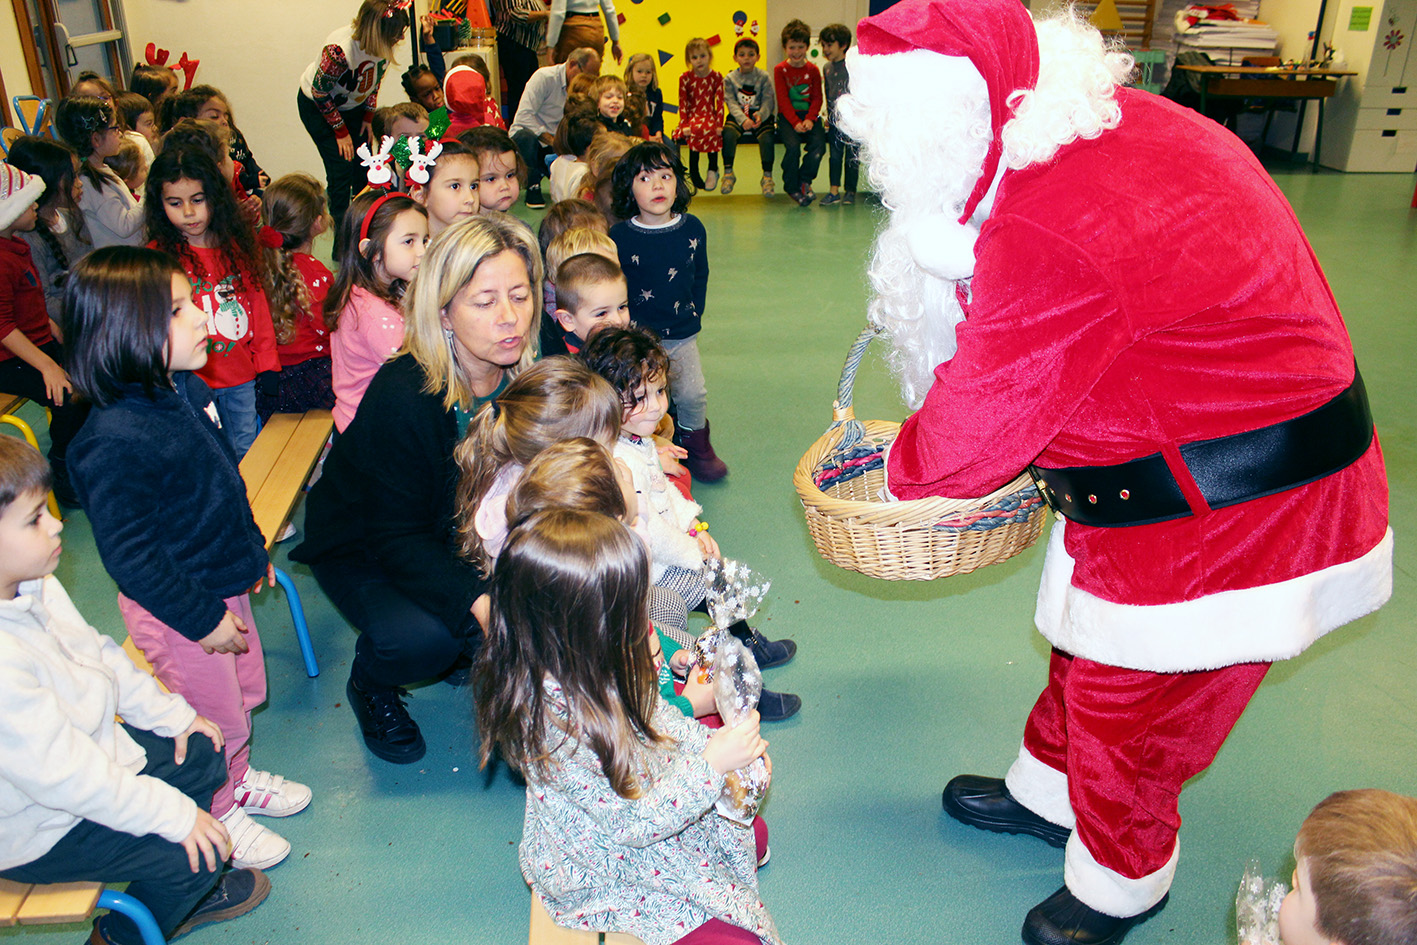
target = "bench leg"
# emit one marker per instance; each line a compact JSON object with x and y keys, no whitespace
{"x":28,"y":434}
{"x":302,"y":629}
{"x":135,"y":910}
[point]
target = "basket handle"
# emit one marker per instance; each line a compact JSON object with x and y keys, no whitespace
{"x":842,"y":414}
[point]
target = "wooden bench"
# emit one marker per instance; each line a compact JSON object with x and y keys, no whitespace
{"x":275,"y":470}
{"x":9,"y":403}
{"x":60,"y":903}
{"x":546,"y":932}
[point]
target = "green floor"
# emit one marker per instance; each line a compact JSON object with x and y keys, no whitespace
{"x":904,"y":684}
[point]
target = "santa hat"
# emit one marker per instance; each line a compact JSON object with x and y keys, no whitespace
{"x":997,"y":36}
{"x":18,"y":192}
{"x":465,"y":94}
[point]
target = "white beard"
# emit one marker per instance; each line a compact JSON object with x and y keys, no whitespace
{"x":922,"y":120}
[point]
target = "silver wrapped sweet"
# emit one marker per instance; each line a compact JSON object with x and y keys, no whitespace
{"x":1257,"y":905}
{"x":737,"y":686}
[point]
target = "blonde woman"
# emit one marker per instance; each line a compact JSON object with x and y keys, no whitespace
{"x":381,"y":532}
{"x":339,"y":92}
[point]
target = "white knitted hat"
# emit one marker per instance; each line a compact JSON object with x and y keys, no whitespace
{"x":18,"y":191}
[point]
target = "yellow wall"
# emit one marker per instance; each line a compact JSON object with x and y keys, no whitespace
{"x":641,"y":32}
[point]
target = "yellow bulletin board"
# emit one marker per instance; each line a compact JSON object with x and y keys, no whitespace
{"x":662,"y":27}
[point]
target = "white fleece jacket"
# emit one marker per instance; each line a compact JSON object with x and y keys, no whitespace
{"x":63,"y":754}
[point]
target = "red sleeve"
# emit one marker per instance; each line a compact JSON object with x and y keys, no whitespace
{"x":9,"y":319}
{"x":686,"y":95}
{"x":784,"y":100}
{"x":263,"y":332}
{"x":1042,"y":326}
{"x":814,"y":104}
{"x":332,"y":65}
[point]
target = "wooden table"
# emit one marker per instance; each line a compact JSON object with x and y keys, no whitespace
{"x":1275,"y":82}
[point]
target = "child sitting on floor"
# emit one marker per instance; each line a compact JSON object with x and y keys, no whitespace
{"x":635,"y":364}
{"x":85,"y":795}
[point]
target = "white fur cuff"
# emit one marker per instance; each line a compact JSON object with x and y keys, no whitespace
{"x":1041,"y":789}
{"x":1109,"y":891}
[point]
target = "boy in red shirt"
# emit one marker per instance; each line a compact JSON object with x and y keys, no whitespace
{"x":31,"y":358}
{"x":798,"y":84}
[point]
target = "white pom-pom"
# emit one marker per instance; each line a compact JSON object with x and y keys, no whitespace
{"x":942,"y":246}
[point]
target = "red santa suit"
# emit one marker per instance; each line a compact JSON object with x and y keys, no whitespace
{"x":1142,"y":290}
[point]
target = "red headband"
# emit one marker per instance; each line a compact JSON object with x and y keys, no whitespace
{"x":373,"y":209}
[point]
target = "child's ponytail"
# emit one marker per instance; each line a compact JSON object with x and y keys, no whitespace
{"x":293,"y":205}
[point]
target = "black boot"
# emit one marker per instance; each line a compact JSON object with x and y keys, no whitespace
{"x":987,"y":804}
{"x":766,"y":653}
{"x":1063,"y":919}
{"x":389,"y":731}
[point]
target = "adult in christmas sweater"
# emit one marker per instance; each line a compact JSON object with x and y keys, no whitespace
{"x":339,"y":92}
{"x":1194,"y":410}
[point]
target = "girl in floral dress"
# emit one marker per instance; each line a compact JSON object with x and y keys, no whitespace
{"x":620,"y":832}
{"x":701,"y":112}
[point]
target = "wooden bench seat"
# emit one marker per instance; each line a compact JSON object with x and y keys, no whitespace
{"x":9,"y":403}
{"x":61,"y":903}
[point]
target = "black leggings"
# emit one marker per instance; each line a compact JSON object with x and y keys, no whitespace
{"x":343,"y":178}
{"x":694,"y":174}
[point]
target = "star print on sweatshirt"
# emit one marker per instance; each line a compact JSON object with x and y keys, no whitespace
{"x":653,"y":259}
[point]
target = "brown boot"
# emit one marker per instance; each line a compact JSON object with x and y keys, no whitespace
{"x":703,"y":463}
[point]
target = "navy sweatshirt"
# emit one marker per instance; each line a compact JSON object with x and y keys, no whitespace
{"x":168,"y":508}
{"x":667,"y":271}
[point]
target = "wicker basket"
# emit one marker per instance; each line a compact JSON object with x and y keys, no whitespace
{"x":840,"y":479}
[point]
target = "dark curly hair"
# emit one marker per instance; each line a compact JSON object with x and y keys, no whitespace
{"x":649,"y":156}
{"x":628,"y":358}
{"x":235,"y":239}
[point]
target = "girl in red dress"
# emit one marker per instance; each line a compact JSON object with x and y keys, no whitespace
{"x":701,"y":111}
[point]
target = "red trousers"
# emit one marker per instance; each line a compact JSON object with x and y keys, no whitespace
{"x":1126,"y":741}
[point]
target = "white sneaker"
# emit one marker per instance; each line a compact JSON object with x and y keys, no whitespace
{"x":253,"y":846}
{"x":261,"y":792}
{"x":286,"y":533}
{"x":711,"y":181}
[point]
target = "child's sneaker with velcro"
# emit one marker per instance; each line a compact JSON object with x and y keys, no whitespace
{"x":270,"y":795}
{"x":253,"y":846}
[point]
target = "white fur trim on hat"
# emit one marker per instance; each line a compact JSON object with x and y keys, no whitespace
{"x":1256,"y":624}
{"x":1040,"y":788}
{"x":1109,"y":891}
{"x":18,"y":191}
{"x":942,"y":246}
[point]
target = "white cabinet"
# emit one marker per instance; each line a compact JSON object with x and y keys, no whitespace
{"x":1372,"y":119}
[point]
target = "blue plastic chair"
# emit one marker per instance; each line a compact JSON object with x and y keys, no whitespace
{"x":39,"y":107}
{"x":124,"y":904}
{"x":302,"y":629}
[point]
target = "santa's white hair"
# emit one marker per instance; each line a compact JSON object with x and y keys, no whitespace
{"x":922,"y":120}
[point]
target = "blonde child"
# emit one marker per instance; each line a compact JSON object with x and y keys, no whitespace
{"x":573,"y":242}
{"x":564,"y":215}
{"x":601,"y":157}
{"x":296,"y":286}
{"x":85,"y":795}
{"x":1356,"y":877}
{"x":632,"y":360}
{"x":169,"y":514}
{"x":451,"y":192}
{"x":500,"y":165}
{"x":192,"y":216}
{"x":382,"y":241}
{"x":608,"y":93}
{"x":404,"y":120}
{"x":701,"y":111}
{"x":642,"y":77}
{"x":620,"y":831}
{"x":111,"y":213}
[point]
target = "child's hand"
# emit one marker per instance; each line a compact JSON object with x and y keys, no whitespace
{"x":56,"y":382}
{"x":251,"y":209}
{"x":269,"y":580}
{"x":800,"y":127}
{"x":680,"y":662}
{"x":208,"y":841}
{"x":707,"y":545}
{"x":732,"y":748}
{"x":228,"y":637}
{"x":425,"y":24}
{"x":808,"y":125}
{"x":482,"y":610}
{"x":199,"y":726}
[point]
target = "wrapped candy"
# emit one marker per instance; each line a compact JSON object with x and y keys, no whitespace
{"x":734,"y":594}
{"x":1257,"y":905}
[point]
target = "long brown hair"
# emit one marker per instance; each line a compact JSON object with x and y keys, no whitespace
{"x":574,"y":474}
{"x":569,"y":605}
{"x":357,"y":257}
{"x":555,"y":399}
{"x":293,"y":204}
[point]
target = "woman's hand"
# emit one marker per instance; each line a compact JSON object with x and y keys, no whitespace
{"x":208,"y":841}
{"x":56,"y":382}
{"x":228,"y":637}
{"x":346,"y":147}
{"x":616,"y":52}
{"x":199,"y":726}
{"x":269,"y":580}
{"x":732,"y":748}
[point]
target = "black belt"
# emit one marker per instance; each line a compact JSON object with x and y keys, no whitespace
{"x":1228,"y":469}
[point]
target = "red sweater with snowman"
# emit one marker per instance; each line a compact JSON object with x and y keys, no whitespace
{"x":1133,"y":294}
{"x":241,"y":340}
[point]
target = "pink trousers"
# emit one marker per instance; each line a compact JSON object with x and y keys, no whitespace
{"x":223,"y":687}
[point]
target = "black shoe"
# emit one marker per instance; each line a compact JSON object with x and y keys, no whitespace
{"x":770,"y":653}
{"x":236,"y":893}
{"x":776,"y":706}
{"x":1063,"y":919}
{"x":985,"y":803}
{"x":389,"y":730}
{"x":534,"y":199}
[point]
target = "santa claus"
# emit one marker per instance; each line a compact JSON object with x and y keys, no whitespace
{"x":1095,"y":283}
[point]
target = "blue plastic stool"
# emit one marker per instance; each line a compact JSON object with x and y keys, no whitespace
{"x":125,"y":904}
{"x":302,"y":629}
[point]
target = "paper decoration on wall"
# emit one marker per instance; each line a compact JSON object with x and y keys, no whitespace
{"x":663,"y":19}
{"x":714,"y":40}
{"x":620,"y":18}
{"x":669,"y":108}
{"x":664,"y":57}
{"x":754,"y":28}
{"x":1106,"y":18}
{"x":740,"y":19}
